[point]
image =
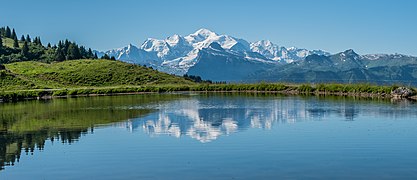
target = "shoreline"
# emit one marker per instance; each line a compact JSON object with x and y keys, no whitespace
{"x":349,"y":90}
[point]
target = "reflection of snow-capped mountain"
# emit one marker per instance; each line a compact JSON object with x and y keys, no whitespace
{"x":206,"y":119}
{"x":176,"y":54}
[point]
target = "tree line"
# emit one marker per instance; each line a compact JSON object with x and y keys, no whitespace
{"x":28,"y":49}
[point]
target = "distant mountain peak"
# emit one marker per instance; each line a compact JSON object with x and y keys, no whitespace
{"x":349,"y":51}
{"x":204,"y":32}
{"x":349,"y":54}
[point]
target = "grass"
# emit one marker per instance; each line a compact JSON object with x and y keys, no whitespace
{"x":85,"y":73}
{"x":24,"y":80}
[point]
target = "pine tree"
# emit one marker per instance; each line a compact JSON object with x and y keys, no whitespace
{"x":28,"y":38}
{"x":8,"y":32}
{"x":105,"y":56}
{"x":1,"y":42}
{"x":73,"y":52}
{"x":90,"y":54}
{"x":59,"y":54}
{"x":15,"y":42}
{"x":25,"y":49}
{"x":2,"y":31}
{"x":39,"y":41}
{"x":83,"y":52}
{"x":49,"y":45}
{"x":22,"y":38}
{"x":14,"y":34}
{"x":95,"y":56}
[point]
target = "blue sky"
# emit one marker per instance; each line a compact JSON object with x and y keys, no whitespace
{"x":367,"y":26}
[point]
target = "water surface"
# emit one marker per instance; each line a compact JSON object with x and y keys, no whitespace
{"x":206,"y":136}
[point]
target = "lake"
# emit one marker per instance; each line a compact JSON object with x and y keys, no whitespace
{"x":208,"y":136}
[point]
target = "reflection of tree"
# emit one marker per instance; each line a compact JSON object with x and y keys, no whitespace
{"x":26,"y":126}
{"x":12,"y":145}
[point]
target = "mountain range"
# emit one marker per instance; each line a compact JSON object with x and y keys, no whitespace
{"x":225,"y":58}
{"x":176,"y":54}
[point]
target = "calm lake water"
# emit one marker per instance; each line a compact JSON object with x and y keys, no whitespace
{"x":208,"y":136}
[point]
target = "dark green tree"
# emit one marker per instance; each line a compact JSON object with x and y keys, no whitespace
{"x":105,"y":56}
{"x":35,"y":40}
{"x":25,"y":49}
{"x":49,"y":45}
{"x":28,"y":38}
{"x":73,"y":52}
{"x":83,"y":52}
{"x":112,"y":58}
{"x":90,"y":54}
{"x":95,"y":56}
{"x":1,"y":42}
{"x":8,"y":33}
{"x":15,"y":42}
{"x":22,"y":38}
{"x":39,"y":41}
{"x":59,"y":54}
{"x":2,"y":31}
{"x":13,"y":34}
{"x":66,"y":44}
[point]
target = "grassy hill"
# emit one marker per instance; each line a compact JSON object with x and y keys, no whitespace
{"x":81,"y":73}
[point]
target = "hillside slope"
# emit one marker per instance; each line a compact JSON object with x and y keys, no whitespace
{"x":81,"y":73}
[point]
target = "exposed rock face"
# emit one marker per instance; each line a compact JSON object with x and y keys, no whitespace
{"x":402,"y":92}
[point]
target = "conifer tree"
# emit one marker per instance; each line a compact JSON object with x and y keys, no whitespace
{"x":39,"y":41}
{"x":22,"y":38}
{"x":73,"y":52}
{"x":83,"y":52}
{"x":90,"y":54}
{"x":15,"y":42}
{"x":28,"y":38}
{"x":105,"y":56}
{"x":59,"y":54}
{"x":8,"y":33}
{"x":1,"y":42}
{"x":14,"y":34}
{"x":25,"y":49}
{"x":49,"y":45}
{"x":2,"y":31}
{"x":95,"y":56}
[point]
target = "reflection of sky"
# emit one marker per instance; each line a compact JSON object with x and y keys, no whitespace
{"x":206,"y":119}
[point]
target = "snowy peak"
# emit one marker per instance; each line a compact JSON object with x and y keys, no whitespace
{"x":176,"y":54}
{"x":175,"y":40}
{"x":200,"y":36}
{"x":204,"y":33}
{"x":266,"y":48}
{"x":274,"y":52}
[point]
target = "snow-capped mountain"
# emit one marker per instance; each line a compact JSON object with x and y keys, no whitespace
{"x":275,"y":52}
{"x":176,"y":54}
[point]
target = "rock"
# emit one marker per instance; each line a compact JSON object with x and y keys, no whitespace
{"x":402,"y":92}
